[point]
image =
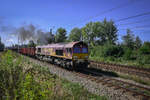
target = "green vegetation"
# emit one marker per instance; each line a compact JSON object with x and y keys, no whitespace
{"x":23,"y":80}
{"x":98,"y":33}
{"x":120,"y":55}
{"x":31,"y":43}
{"x":75,"y":34}
{"x":130,"y":52}
{"x":60,"y":35}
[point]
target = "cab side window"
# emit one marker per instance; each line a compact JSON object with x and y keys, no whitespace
{"x":59,"y":52}
{"x":69,"y":50}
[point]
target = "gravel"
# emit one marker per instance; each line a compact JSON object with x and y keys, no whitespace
{"x":91,"y":86}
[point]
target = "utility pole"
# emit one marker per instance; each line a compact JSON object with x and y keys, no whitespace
{"x":51,"y":34}
{"x":18,"y":43}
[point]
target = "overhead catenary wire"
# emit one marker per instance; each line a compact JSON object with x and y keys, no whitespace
{"x":107,"y":11}
{"x":131,"y":17}
{"x":135,"y":27}
{"x":134,"y":16}
{"x":122,"y":19}
{"x":136,"y":22}
{"x":138,"y":27}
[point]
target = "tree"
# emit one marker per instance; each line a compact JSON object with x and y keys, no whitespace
{"x":138,"y":43}
{"x":128,"y":40}
{"x":90,"y":32}
{"x":75,"y":35}
{"x":100,"y":32}
{"x":145,"y":49}
{"x":108,"y":32}
{"x":60,"y":35}
{"x":144,"y":53}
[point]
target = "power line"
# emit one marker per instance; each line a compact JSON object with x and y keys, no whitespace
{"x":142,"y":26}
{"x":110,"y":10}
{"x":138,"y":27}
{"x":134,"y":22}
{"x":107,"y":11}
{"x":131,"y":17}
{"x":122,"y":19}
{"x":135,"y":28}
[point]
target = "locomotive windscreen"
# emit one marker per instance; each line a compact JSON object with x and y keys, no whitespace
{"x":84,"y":50}
{"x":80,"y":50}
{"x":77,"y":50}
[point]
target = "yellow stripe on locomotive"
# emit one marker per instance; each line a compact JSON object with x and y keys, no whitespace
{"x":80,"y":56}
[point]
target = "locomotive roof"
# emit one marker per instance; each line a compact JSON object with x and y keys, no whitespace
{"x":60,"y":45}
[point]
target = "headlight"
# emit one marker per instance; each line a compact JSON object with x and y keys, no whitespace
{"x":75,"y":57}
{"x":86,"y":57}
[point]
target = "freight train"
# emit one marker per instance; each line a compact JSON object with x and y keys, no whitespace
{"x":72,"y":55}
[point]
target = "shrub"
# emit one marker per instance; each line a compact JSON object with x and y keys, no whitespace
{"x":113,"y":50}
{"x":110,"y":59}
{"x":32,"y":90}
{"x":146,"y":59}
{"x":145,"y":49}
{"x":108,"y":50}
{"x":128,"y":54}
{"x":96,"y":51}
{"x":143,"y":59}
{"x":10,"y":75}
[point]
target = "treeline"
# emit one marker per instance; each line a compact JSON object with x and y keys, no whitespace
{"x":93,"y":33}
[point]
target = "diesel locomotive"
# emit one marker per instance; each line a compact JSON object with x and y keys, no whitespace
{"x":72,"y":55}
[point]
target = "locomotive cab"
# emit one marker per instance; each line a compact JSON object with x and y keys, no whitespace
{"x":80,"y":55}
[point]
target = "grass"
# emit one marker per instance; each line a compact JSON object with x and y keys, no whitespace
{"x":22,"y":80}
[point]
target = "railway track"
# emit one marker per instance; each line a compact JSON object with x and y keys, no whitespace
{"x":131,"y":70}
{"x":142,"y":92}
{"x":136,"y":90}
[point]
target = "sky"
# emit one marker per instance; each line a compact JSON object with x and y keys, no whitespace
{"x":46,"y":14}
